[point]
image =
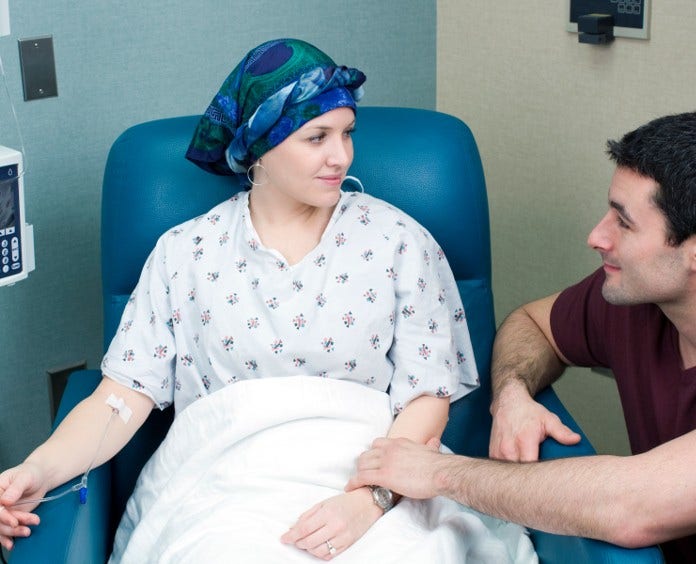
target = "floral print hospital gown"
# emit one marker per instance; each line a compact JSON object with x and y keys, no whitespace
{"x":374,"y":302}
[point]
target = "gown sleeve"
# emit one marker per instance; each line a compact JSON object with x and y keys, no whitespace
{"x":431,"y":352}
{"x":142,"y":354}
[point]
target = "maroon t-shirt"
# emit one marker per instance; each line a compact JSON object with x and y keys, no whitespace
{"x":640,"y":346}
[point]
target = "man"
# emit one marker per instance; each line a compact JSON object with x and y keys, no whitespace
{"x":637,"y":316}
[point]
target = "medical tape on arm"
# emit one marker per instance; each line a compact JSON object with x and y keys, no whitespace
{"x":118,"y":407}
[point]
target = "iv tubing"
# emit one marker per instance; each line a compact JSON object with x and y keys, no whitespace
{"x":16,"y":121}
{"x":80,"y":486}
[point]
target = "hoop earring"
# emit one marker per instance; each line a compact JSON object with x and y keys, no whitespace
{"x":250,"y":174}
{"x":356,"y":181}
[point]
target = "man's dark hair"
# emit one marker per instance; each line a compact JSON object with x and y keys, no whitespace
{"x":665,"y":150}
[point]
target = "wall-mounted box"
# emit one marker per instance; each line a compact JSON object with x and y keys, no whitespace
{"x":631,"y":17}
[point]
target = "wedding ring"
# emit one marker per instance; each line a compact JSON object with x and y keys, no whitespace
{"x":332,"y":548}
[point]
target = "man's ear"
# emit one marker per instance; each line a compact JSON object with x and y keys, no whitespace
{"x":690,"y":248}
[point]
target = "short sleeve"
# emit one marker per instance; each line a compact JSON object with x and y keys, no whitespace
{"x":431,"y":351}
{"x":142,"y":353}
{"x":580,"y":320}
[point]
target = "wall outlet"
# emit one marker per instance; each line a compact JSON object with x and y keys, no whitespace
{"x":38,"y":68}
{"x":4,"y":17}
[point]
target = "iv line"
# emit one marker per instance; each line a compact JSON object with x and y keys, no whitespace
{"x":80,"y":486}
{"x":16,"y":121}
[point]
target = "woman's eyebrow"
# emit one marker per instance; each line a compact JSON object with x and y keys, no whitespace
{"x":328,"y":127}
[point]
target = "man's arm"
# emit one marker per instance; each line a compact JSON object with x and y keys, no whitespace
{"x":630,"y":501}
{"x":525,"y":360}
{"x":524,"y":351}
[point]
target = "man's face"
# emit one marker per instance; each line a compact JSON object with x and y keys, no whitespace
{"x":640,"y":266}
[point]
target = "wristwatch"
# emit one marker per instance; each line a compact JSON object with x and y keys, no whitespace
{"x":384,"y":498}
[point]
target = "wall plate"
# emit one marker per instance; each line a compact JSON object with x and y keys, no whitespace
{"x":38,"y":68}
{"x":631,"y":17}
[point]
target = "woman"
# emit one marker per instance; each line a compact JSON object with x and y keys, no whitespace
{"x":293,"y":278}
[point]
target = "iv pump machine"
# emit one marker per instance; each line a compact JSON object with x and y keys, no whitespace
{"x":16,"y":236}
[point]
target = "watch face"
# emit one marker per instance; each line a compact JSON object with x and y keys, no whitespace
{"x":383,"y":497}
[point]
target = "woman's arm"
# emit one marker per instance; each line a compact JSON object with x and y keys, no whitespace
{"x":67,"y":453}
{"x":422,"y":419}
{"x":344,"y":518}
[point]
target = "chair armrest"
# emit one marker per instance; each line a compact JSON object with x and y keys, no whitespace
{"x":70,"y":532}
{"x":552,"y":449}
{"x":577,"y":550}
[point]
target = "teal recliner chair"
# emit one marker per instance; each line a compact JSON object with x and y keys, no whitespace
{"x":424,"y":162}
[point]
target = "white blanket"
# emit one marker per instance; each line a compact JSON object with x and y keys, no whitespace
{"x":239,"y":467}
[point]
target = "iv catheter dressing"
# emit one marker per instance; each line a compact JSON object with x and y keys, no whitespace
{"x":118,"y":407}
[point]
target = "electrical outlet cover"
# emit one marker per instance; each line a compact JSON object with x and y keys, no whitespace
{"x":38,"y":68}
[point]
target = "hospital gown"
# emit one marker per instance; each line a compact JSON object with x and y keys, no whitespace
{"x":374,"y":302}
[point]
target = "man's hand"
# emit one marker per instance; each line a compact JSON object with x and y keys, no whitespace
{"x":525,"y":360}
{"x":405,"y":467}
{"x":520,"y":425}
{"x":341,"y":520}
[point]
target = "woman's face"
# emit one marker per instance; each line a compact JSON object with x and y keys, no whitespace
{"x":309,"y":166}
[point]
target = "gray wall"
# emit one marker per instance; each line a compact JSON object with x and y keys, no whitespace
{"x":120,"y":63}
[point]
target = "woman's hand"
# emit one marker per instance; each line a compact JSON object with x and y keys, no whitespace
{"x":341,"y":520}
{"x":18,"y":484}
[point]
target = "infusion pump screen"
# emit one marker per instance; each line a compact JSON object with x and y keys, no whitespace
{"x":7,"y":204}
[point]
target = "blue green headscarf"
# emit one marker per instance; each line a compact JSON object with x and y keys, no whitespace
{"x":277,"y":88}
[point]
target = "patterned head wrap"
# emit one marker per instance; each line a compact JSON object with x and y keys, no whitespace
{"x":277,"y":88}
